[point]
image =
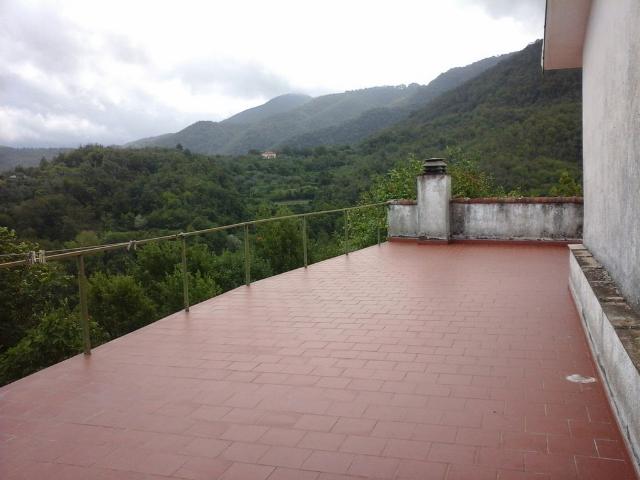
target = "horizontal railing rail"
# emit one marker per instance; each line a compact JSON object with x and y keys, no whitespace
{"x":79,"y":253}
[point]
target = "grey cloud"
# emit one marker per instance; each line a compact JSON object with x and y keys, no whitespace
{"x":87,"y":117}
{"x":244,"y":80}
{"x":58,"y":111}
{"x":40,"y":36}
{"x":527,"y":12}
{"x":125,"y":51}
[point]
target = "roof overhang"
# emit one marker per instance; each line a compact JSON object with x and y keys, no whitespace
{"x":564,"y":30}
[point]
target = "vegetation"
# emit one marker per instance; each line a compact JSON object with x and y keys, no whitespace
{"x":523,"y":127}
{"x":300,"y":121}
{"x":26,"y":157}
{"x":508,"y":131}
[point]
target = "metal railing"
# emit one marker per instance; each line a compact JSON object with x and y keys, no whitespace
{"x":80,"y":253}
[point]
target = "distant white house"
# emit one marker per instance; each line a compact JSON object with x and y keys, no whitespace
{"x":268,"y":154}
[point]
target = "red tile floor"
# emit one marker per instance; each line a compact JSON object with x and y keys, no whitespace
{"x":402,"y":361}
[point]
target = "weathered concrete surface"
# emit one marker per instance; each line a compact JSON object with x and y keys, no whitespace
{"x":557,"y":218}
{"x":613,"y":330}
{"x":402,"y":219}
{"x":524,"y":219}
{"x":611,"y":126}
{"x":433,"y":209}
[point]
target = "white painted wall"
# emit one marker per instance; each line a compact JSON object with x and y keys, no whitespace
{"x":611,"y":138}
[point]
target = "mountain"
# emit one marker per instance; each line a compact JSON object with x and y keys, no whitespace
{"x":374,"y":120}
{"x":276,"y":105}
{"x":302,"y":121}
{"x":26,"y":157}
{"x":523,"y":125}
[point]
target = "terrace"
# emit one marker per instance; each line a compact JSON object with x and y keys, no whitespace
{"x":398,"y":361}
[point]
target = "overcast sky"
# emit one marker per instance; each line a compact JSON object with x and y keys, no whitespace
{"x":85,"y":71}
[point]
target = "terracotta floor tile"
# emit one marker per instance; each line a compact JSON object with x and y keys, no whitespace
{"x":293,"y":474}
{"x":435,"y":433}
{"x":285,"y":457}
{"x":354,"y":426}
{"x":471,"y":472}
{"x":590,"y":468}
{"x":612,"y":449}
{"x":244,"y":433}
{"x":374,"y":467}
{"x":322,"y":441}
{"x":402,"y":361}
{"x":244,"y":471}
{"x":331,"y":462}
{"x":285,"y":437}
{"x":244,"y":452}
{"x":419,"y":470}
{"x":560,"y":465}
{"x":316,"y":422}
{"x":451,"y":453}
{"x":198,"y":468}
{"x":409,"y":449}
{"x":363,"y":445}
{"x":500,"y":458}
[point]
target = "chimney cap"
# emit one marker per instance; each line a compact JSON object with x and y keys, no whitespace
{"x":434,"y":166}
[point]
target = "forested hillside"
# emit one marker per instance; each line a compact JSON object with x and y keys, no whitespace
{"x":510,"y":130}
{"x":301,"y":121}
{"x":524,"y":126}
{"x":12,"y":157}
{"x":108,"y":189}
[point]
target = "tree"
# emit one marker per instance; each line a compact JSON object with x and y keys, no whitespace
{"x":567,"y":186}
{"x":57,"y":336}
{"x":201,"y":287}
{"x":26,"y":292}
{"x":279,"y":242}
{"x":119,"y":303}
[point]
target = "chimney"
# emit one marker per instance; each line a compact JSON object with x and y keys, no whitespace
{"x":434,"y":196}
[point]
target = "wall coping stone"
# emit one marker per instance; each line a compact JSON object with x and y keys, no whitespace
{"x":612,"y":328}
{"x":534,"y":200}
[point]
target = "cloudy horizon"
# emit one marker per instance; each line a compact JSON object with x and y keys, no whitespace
{"x":75,"y":72}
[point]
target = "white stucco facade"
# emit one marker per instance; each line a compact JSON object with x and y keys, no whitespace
{"x":611,"y":138}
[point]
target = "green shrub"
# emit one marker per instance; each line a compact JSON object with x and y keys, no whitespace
{"x":119,"y":303}
{"x":169,"y":292}
{"x":57,"y":336}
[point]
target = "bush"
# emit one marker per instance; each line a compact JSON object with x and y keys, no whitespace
{"x":567,"y":186}
{"x":57,"y":337}
{"x":26,"y":292}
{"x":119,"y":303}
{"x":169,"y":292}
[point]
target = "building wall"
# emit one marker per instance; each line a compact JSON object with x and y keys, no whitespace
{"x":611,"y":139}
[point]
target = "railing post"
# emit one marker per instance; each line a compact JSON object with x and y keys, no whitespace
{"x":378,"y":226}
{"x":84,"y":309}
{"x":247,"y":258}
{"x":346,"y":232}
{"x":185,"y":273}
{"x":304,"y":240}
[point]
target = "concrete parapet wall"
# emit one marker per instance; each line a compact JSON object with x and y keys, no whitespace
{"x":403,"y":218}
{"x":613,"y":331}
{"x":537,"y":218}
{"x":517,"y":219}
